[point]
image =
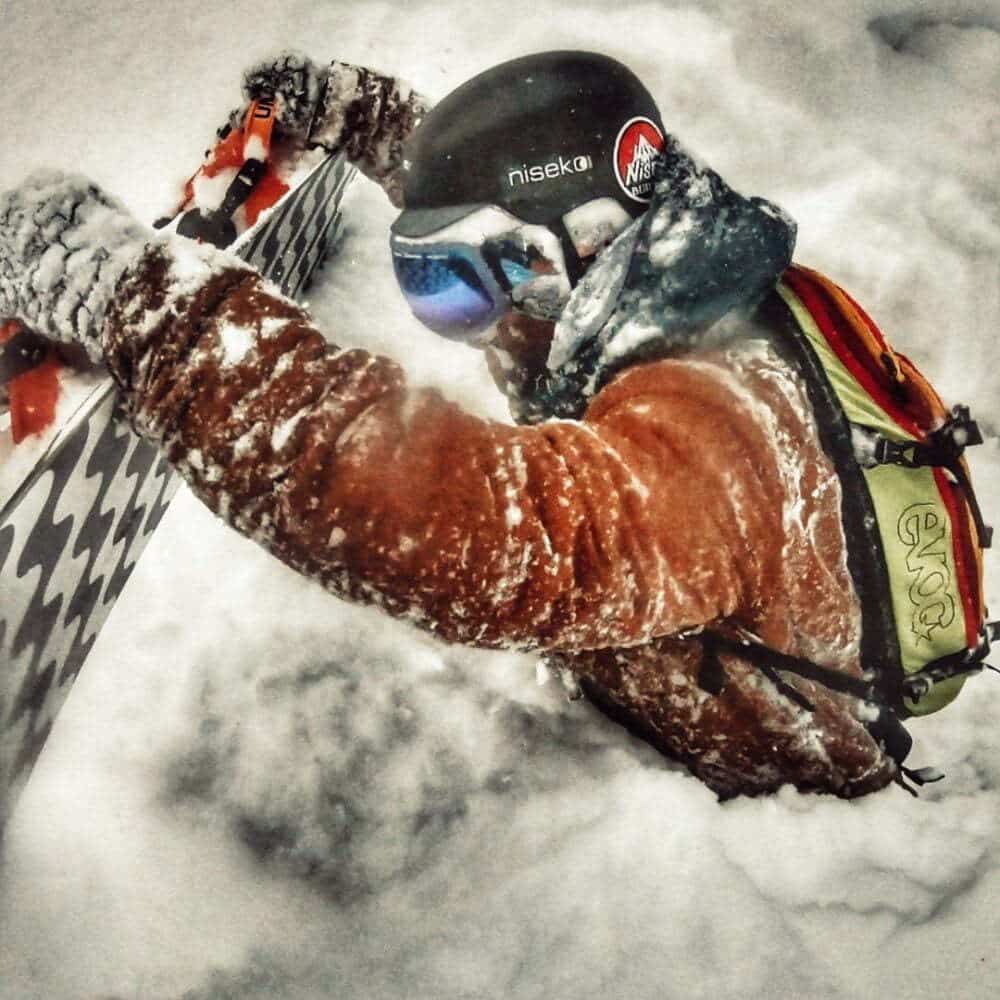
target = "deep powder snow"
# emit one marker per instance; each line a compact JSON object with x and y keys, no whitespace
{"x":257,"y":791}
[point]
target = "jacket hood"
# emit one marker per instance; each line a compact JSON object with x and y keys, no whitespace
{"x":700,"y":252}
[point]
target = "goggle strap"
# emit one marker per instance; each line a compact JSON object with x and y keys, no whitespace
{"x":574,"y":266}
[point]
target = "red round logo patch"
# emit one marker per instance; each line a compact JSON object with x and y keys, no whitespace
{"x":639,"y":144}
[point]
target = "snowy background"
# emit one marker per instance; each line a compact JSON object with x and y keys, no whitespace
{"x":257,"y":791}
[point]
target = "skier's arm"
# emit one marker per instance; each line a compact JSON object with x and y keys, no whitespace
{"x":341,"y":106}
{"x":569,"y":535}
{"x":566,"y":535}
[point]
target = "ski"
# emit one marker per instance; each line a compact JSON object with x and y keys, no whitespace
{"x":80,"y":499}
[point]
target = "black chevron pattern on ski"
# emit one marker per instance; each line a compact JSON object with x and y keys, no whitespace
{"x":76,"y":562}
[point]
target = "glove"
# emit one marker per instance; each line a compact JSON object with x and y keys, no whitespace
{"x":295,"y":83}
{"x":64,"y":243}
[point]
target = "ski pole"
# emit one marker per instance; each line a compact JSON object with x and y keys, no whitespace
{"x":217,"y":227}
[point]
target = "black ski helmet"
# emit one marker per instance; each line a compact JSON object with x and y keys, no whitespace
{"x":537,"y":136}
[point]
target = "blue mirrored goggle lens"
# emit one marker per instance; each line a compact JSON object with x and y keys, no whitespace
{"x":516,"y":272}
{"x":444,"y":292}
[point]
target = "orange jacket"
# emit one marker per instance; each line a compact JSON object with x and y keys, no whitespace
{"x":693,"y":492}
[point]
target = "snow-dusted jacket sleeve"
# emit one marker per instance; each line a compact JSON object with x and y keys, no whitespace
{"x":369,"y":116}
{"x":632,"y":524}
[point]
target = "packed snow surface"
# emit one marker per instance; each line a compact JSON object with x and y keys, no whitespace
{"x":257,"y":791}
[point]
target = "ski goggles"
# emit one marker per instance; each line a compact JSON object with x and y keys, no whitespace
{"x":460,"y":279}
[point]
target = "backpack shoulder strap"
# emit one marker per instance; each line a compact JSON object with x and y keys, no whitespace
{"x":865,"y":559}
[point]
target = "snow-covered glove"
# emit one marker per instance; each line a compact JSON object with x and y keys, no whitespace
{"x":64,"y":243}
{"x":338,"y":107}
{"x":294,"y":81}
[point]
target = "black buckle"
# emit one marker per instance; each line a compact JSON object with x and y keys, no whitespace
{"x":889,"y":452}
{"x":942,"y":448}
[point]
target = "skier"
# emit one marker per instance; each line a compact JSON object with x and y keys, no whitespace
{"x":671,"y":519}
